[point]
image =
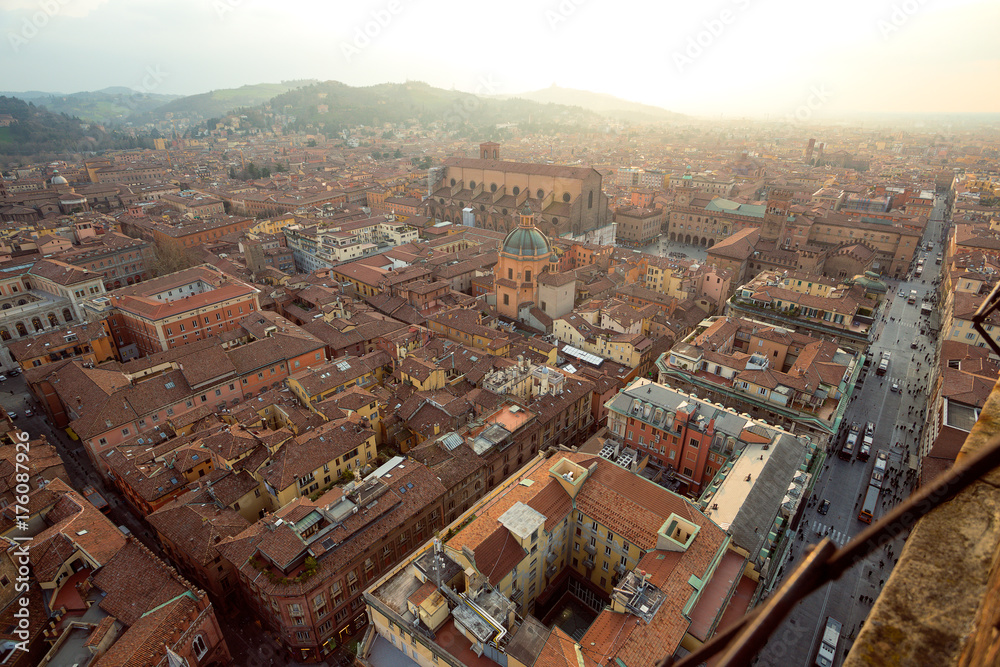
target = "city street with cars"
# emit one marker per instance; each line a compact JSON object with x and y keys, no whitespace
{"x":896,"y":403}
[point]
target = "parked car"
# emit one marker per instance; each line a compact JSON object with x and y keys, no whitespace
{"x":14,"y":373}
{"x":12,"y":414}
{"x":3,"y":378}
{"x":895,"y":387}
{"x":28,"y":412}
{"x":824,"y":507}
{"x":96,"y":499}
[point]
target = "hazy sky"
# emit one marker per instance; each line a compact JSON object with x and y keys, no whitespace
{"x":731,"y":57}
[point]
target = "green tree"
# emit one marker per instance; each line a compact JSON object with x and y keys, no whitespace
{"x":398,"y":154}
{"x":376,"y":154}
{"x":311,"y":143}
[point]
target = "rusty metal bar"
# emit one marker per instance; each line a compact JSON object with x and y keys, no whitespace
{"x":988,"y":306}
{"x":746,"y":637}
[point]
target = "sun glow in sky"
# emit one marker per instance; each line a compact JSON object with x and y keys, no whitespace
{"x":729,"y":57}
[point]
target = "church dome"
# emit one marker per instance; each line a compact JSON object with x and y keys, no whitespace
{"x":526,"y":242}
{"x":59,"y":180}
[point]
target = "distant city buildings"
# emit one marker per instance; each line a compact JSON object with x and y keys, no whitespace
{"x":436,"y":405}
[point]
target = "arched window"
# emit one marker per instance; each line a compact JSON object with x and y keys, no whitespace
{"x":566,"y":197}
{"x":516,"y":191}
{"x":453,"y":182}
{"x":472,"y":185}
{"x":21,"y":302}
{"x":493,"y":187}
{"x":21,"y":329}
{"x":590,"y":199}
{"x":53,"y":320}
{"x":6,"y":306}
{"x":482,"y":207}
{"x":4,"y":334}
{"x":37,"y":324}
{"x":505,"y":211}
{"x":540,"y":193}
{"x":555,"y":221}
{"x":199,"y":648}
{"x":67,"y":315}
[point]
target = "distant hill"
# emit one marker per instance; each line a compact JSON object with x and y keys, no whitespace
{"x":28,"y":95}
{"x":38,"y":133}
{"x":332,"y":106}
{"x":220,"y":102}
{"x":606,"y":105}
{"x":110,"y":105}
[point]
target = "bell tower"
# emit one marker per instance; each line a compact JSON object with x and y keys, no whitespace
{"x":776,"y":215}
{"x":489,"y":150}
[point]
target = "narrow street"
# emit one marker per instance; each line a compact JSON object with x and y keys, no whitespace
{"x":898,"y":418}
{"x":248,"y":643}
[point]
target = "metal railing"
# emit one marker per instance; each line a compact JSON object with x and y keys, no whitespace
{"x":986,"y":308}
{"x":825,"y":563}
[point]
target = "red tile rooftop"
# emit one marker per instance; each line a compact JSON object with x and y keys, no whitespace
{"x":453,"y":641}
{"x":715,"y":594}
{"x":739,"y":604}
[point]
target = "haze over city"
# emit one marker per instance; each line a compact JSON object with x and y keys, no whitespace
{"x":533,"y":334}
{"x":733,"y":58}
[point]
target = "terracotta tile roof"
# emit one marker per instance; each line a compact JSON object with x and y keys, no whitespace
{"x":607,"y":634}
{"x":553,"y":503}
{"x":100,"y":630}
{"x":352,"y":538}
{"x":498,"y":554}
{"x":74,"y":524}
{"x":309,"y":451}
{"x":62,"y":273}
{"x":195,"y":528}
{"x":634,"y":506}
{"x":422,"y":593}
{"x":135,"y":581}
{"x":560,"y":650}
{"x":34,"y":346}
{"x":144,"y":642}
{"x":670,"y":572}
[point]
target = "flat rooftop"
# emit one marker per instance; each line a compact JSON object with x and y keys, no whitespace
{"x":724,"y":505}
